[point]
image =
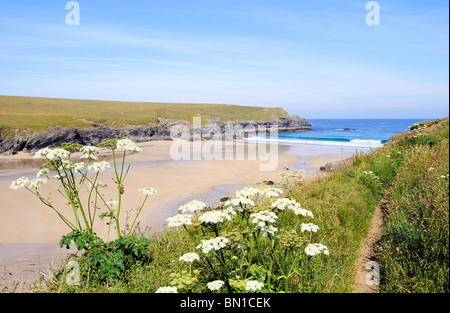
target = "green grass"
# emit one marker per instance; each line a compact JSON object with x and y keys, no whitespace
{"x":413,"y":251}
{"x":37,"y":114}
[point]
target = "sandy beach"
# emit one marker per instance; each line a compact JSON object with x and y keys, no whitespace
{"x":30,"y":231}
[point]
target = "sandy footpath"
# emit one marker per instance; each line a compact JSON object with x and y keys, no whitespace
{"x":28,"y":228}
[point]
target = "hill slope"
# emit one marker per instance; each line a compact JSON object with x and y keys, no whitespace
{"x":37,"y":114}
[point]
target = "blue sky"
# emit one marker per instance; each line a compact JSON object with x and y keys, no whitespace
{"x":317,"y":59}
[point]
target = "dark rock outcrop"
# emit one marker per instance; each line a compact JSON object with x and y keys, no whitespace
{"x":163,"y":130}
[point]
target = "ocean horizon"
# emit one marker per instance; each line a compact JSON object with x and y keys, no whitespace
{"x":352,"y":133}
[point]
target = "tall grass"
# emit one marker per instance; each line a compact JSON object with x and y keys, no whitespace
{"x":414,"y":250}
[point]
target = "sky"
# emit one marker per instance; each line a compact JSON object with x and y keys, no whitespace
{"x":316,"y":59}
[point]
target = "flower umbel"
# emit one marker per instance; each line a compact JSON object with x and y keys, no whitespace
{"x":189,"y":257}
{"x":215,"y":285}
{"x":179,"y":220}
{"x":213,"y":244}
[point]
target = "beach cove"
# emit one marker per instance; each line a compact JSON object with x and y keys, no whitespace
{"x":30,"y":231}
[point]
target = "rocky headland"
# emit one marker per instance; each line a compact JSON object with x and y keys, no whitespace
{"x":162,"y":129}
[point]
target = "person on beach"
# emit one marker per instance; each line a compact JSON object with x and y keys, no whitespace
{"x":286,"y":167}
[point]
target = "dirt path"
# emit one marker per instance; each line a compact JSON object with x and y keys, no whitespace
{"x":367,"y":270}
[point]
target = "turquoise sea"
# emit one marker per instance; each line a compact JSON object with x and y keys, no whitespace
{"x":360,"y":133}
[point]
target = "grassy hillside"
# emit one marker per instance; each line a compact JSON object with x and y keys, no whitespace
{"x":37,"y":114}
{"x":413,"y":251}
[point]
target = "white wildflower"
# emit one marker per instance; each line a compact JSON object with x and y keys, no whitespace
{"x":253,"y":285}
{"x":189,"y":257}
{"x":272,"y":192}
{"x":99,"y":166}
{"x":76,"y":167}
{"x":284,"y":203}
{"x":127,"y":145}
{"x":89,"y":153}
{"x":309,"y":227}
{"x":89,"y":149}
{"x":239,"y":203}
{"x":264,"y":230}
{"x":214,"y":217}
{"x":247,"y":192}
{"x":42,"y":153}
{"x":35,"y":183}
{"x":229,"y":211}
{"x":316,"y":249}
{"x":167,"y":290}
{"x":215,"y":285}
{"x":57,"y":153}
{"x":263,"y":217}
{"x":147,"y":191}
{"x":192,"y":206}
{"x":20,"y":183}
{"x":179,"y":220}
{"x":299,"y":211}
{"x":43,"y":172}
{"x":213,"y":244}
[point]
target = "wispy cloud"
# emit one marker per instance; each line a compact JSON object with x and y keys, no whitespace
{"x":311,"y":59}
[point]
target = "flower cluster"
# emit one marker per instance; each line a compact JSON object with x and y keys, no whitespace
{"x":43,"y":172}
{"x":250,"y":192}
{"x":37,"y":182}
{"x":167,"y":290}
{"x":67,"y":165}
{"x":20,"y":183}
{"x":263,"y":217}
{"x":253,"y":285}
{"x":315,"y":249}
{"x":179,"y":220}
{"x":284,"y":203}
{"x":89,"y":153}
{"x":213,"y":244}
{"x":215,"y":285}
{"x":99,"y":166}
{"x":272,"y":192}
{"x":265,"y":230}
{"x":239,"y":203}
{"x":52,"y":154}
{"x":192,"y":206}
{"x":214,"y":217}
{"x":127,"y":145}
{"x":309,"y":227}
{"x":147,"y":191}
{"x":189,"y":257}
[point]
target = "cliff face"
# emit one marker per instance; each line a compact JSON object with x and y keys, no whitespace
{"x":54,"y":137}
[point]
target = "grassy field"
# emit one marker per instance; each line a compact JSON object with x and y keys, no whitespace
{"x":413,"y":251}
{"x":37,"y":114}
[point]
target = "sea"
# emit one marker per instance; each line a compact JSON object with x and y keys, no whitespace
{"x":344,"y":133}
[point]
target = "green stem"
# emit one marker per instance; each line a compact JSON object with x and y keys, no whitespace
{"x":137,"y":214}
